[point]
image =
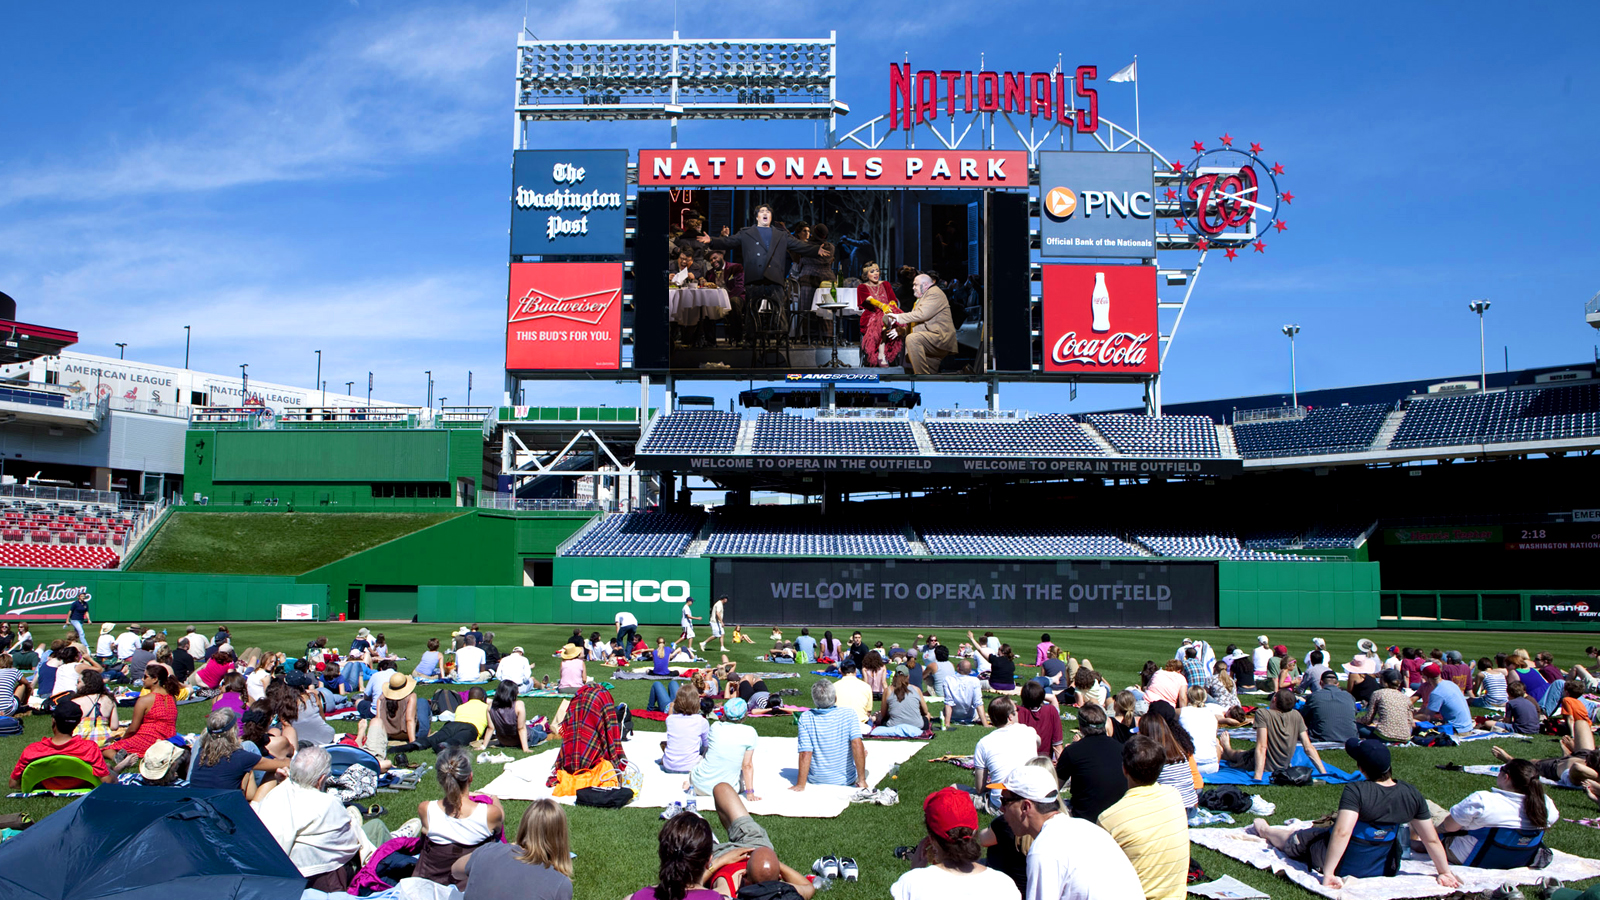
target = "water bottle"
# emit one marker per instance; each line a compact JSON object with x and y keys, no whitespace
{"x":894,"y":771}
{"x":1100,"y":304}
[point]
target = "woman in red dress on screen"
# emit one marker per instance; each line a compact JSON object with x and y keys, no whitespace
{"x":875,"y":297}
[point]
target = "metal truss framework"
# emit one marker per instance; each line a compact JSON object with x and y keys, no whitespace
{"x":517,"y":459}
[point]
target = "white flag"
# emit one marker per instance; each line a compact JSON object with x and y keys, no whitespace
{"x":1130,"y":72}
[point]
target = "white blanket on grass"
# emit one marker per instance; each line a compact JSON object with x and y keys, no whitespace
{"x":1248,"y":734}
{"x":1494,"y":771}
{"x":1416,"y":878}
{"x":775,"y":762}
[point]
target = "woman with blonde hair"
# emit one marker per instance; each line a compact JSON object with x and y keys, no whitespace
{"x":456,"y":825}
{"x":223,"y":763}
{"x":537,"y":867}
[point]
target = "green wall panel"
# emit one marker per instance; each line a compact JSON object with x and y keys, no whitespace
{"x":421,"y":455}
{"x":1273,"y":594}
{"x":125,"y":597}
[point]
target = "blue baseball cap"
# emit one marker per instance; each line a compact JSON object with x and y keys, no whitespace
{"x":735,"y":709}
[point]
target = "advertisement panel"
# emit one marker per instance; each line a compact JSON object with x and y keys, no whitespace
{"x":967,"y":593}
{"x":1564,"y":608}
{"x":858,"y":168}
{"x":596,"y":588}
{"x":1097,"y":205}
{"x":564,"y":316}
{"x":1554,"y":536}
{"x":1447,"y":534}
{"x":1100,"y":320}
{"x":568,"y":202}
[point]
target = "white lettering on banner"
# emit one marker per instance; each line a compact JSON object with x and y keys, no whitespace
{"x":557,"y":225}
{"x":1121,"y":349}
{"x":564,"y":199}
{"x":566,"y":173}
{"x":588,"y":590}
{"x":20,"y":600}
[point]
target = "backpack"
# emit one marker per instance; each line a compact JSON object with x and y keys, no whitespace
{"x":1293,"y":776}
{"x":625,"y":721}
{"x":1433,"y":739}
{"x":604,"y":797}
{"x":445,"y":700}
{"x":1227,"y":798}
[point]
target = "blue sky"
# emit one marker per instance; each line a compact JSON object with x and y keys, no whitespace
{"x":333,"y":176}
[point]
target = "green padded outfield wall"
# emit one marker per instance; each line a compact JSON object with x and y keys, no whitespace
{"x":1297,"y":594}
{"x":332,"y":469}
{"x":124,"y":597}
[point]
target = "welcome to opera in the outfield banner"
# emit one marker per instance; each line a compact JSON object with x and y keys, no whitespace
{"x":835,"y":168}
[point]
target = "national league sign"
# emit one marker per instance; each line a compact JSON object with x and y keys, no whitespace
{"x":564,"y":316}
{"x":1101,"y":320}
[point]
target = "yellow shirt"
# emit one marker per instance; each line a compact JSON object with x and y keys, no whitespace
{"x":1150,"y":825}
{"x":855,"y":695}
{"x":474,"y":713}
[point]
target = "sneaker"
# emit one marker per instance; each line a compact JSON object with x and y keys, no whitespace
{"x":849,"y":869}
{"x":865,"y":795}
{"x":885,"y":797}
{"x":1262,"y":807}
{"x":672,"y":810}
{"x":1506,"y":892}
{"x":827,"y":867}
{"x":412,"y":828}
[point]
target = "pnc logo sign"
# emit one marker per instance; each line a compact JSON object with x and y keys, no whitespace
{"x":1060,"y":203}
{"x":588,"y":590}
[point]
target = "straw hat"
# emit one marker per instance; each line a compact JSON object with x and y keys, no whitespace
{"x":107,"y":627}
{"x":399,"y":687}
{"x":363,"y":633}
{"x":1368,"y":647}
{"x":158,"y":760}
{"x":571,"y":651}
{"x":462,"y":631}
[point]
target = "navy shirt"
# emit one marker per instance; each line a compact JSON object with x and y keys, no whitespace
{"x":227,"y":773}
{"x":80,"y":610}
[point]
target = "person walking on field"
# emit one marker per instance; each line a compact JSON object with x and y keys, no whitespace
{"x":718,"y":609}
{"x":686,"y":622}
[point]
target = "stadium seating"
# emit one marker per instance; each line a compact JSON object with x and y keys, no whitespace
{"x":56,"y":556}
{"x":693,"y":431}
{"x":1189,"y":542}
{"x":1190,"y":436}
{"x":779,"y":533}
{"x":1331,"y":536}
{"x":1271,"y":538}
{"x":1051,"y":435}
{"x":783,"y":433}
{"x":1333,"y":429}
{"x":638,"y":534}
{"x":1022,"y":540}
{"x":40,"y":533}
{"x":1542,"y":414}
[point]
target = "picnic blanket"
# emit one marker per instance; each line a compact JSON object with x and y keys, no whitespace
{"x":775,"y":774}
{"x":1493,"y":771}
{"x":625,"y":675}
{"x":1231,"y":775}
{"x":1246,"y":733}
{"x":1416,"y":878}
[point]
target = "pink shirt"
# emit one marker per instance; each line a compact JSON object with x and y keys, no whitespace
{"x":571,"y":673}
{"x":1045,"y":650}
{"x":1168,"y":686}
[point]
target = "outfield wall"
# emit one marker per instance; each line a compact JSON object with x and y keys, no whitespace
{"x":124,"y":597}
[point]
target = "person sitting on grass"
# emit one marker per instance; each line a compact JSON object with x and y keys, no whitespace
{"x":1149,"y":823}
{"x":574,"y":674}
{"x":1388,"y":716}
{"x":99,"y":709}
{"x":1445,"y":704}
{"x":1379,"y":802}
{"x":729,"y":755}
{"x":1576,"y":714}
{"x":1002,"y":665}
{"x":471,"y":721}
{"x":223,"y":763}
{"x":537,"y":866}
{"x":456,"y":825}
{"x":1518,"y":801}
{"x":311,"y":825}
{"x":946,"y":860}
{"x":590,"y":733}
{"x":430,"y":667}
{"x":155,"y":717}
{"x":831,"y":751}
{"x":904,"y":712}
{"x":687,"y":733}
{"x":508,"y":720}
{"x":64,"y":720}
{"x":1278,"y":729}
{"x":1521,"y":714}
{"x":684,"y":847}
{"x":963,"y":695}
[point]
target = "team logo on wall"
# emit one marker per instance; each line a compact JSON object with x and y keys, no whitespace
{"x":564,"y":316}
{"x":1101,"y":319}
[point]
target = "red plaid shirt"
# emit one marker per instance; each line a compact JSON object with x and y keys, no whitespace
{"x":589,"y":733}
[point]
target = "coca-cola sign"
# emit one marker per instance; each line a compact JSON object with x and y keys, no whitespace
{"x":1101,"y":319}
{"x":564,"y":316}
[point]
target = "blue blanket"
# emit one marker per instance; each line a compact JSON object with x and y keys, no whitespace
{"x":829,"y":674}
{"x":1230,"y":775}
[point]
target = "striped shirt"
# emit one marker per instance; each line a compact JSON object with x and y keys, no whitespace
{"x":1176,"y":775}
{"x":8,"y":688}
{"x":827,"y":735}
{"x":1494,"y":689}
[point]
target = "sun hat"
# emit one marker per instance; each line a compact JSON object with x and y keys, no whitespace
{"x":399,"y":687}
{"x":1367,"y":646}
{"x":947,"y":809}
{"x":735,"y":709}
{"x":107,"y":627}
{"x":1031,"y":783}
{"x":149,"y":634}
{"x":1320,"y":643}
{"x":571,"y":651}
{"x":363,"y":633}
{"x":1261,"y":639}
{"x":516,"y":649}
{"x":158,"y":760}
{"x":461,"y":631}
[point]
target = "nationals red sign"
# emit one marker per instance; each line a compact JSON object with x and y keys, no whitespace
{"x":914,"y":99}
{"x":1101,"y":319}
{"x":835,"y":168}
{"x":564,"y":316}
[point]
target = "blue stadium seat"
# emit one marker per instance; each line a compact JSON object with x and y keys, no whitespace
{"x":1333,"y":429}
{"x":784,"y":533}
{"x":638,"y":534}
{"x":1536,"y":414}
{"x":1210,"y":543}
{"x":784,"y":433}
{"x":1049,"y":435}
{"x":994,"y":539}
{"x":693,"y":431}
{"x":1191,"y":436}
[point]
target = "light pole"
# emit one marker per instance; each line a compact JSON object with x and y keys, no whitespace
{"x":429,"y":373}
{"x":319,"y":379}
{"x":441,"y":404}
{"x":369,"y":388}
{"x":469,"y":387}
{"x":1478,"y":306}
{"x":244,"y":378}
{"x":122,"y":350}
{"x":348,"y":387}
{"x":186,"y":335}
{"x":1294,"y":378}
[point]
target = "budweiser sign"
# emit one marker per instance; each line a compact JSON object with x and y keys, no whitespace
{"x":564,"y":316}
{"x":1101,"y":319}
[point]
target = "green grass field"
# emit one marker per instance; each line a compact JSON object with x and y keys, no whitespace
{"x":270,"y":543}
{"x":616,"y":848}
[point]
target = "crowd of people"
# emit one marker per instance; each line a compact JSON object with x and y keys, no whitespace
{"x":1105,"y":813}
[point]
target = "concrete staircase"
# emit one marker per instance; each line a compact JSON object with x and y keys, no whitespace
{"x":1230,"y":450}
{"x":747,"y":436}
{"x":1099,"y":439}
{"x":1386,"y":432}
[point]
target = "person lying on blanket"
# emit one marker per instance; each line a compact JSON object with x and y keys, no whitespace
{"x":1575,"y":769}
{"x":1377,"y":806}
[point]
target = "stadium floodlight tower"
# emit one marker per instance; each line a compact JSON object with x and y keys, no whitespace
{"x":709,"y":78}
{"x":1294,"y":380}
{"x":1479,"y":306}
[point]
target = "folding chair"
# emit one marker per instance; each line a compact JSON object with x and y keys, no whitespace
{"x":1504,"y":848}
{"x":40,"y":770}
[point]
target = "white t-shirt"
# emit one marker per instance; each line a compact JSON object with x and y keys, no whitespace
{"x":1490,"y":809}
{"x":716,"y":612}
{"x":1261,"y":656}
{"x":683,"y":618}
{"x":127,"y":642}
{"x":1004,"y":749}
{"x":1075,"y":859}
{"x":626,"y":620}
{"x":469,"y":663}
{"x":104,"y":645}
{"x":512,"y":668}
{"x":934,"y":883}
{"x":255,"y":687}
{"x":1201,"y":723}
{"x":197,"y":646}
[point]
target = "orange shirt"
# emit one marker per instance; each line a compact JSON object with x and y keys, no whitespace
{"x":1574,"y":709}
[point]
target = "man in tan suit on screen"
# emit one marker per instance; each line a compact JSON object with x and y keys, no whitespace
{"x":934,"y":337}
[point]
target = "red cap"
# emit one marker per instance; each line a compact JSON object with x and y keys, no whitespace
{"x":948,"y":809}
{"x":1432,"y":670}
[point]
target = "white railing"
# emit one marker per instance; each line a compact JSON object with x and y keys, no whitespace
{"x":1270,"y":414}
{"x":150,"y":407}
{"x":1001,"y":415}
{"x":870,"y":413}
{"x":497,"y":500}
{"x":61,"y":495}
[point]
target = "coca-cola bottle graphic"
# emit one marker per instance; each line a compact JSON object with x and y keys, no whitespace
{"x":1100,"y":304}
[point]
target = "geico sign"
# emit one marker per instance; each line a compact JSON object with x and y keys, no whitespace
{"x":1062,"y":202}
{"x":586,"y":590}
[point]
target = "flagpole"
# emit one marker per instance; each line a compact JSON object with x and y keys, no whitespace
{"x":1136,"y":131}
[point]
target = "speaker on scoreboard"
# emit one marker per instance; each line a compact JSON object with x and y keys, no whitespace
{"x":650,"y":328}
{"x":1010,"y":294}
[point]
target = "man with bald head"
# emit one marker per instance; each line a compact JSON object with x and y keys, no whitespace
{"x":745,"y":866}
{"x":934,"y":336}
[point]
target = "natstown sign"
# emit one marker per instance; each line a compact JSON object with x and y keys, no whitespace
{"x":975,"y":593}
{"x":568,"y":202}
{"x":1097,"y":205}
{"x":39,"y":598}
{"x":834,"y":168}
